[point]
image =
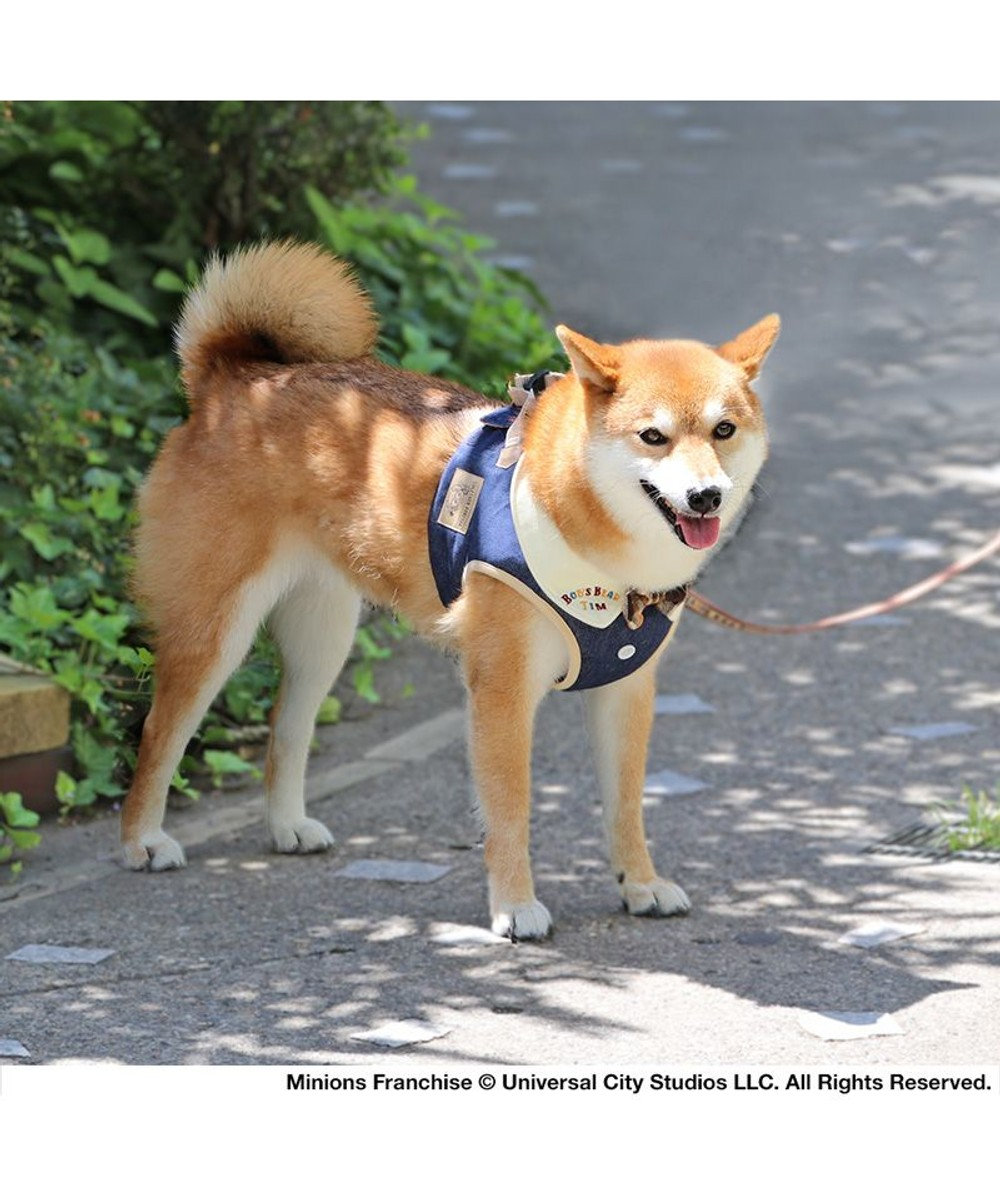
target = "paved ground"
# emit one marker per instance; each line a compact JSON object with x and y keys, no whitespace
{"x":873,"y":229}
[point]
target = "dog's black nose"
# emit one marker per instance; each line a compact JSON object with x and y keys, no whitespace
{"x":706,"y":501}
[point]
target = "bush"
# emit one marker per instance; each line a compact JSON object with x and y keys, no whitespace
{"x":116,"y":204}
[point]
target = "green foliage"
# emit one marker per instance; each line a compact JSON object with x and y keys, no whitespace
{"x":223,"y":763}
{"x":77,"y":429}
{"x":973,"y":823}
{"x":16,"y":830}
{"x":105,"y":210}
{"x":444,"y":309}
{"x":329,"y":711}
{"x":371,"y":646}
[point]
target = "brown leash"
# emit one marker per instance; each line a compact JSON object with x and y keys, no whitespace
{"x":705,"y":608}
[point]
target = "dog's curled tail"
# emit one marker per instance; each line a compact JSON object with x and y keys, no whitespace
{"x":284,"y":302}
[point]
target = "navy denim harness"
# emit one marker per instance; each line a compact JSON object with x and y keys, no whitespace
{"x":606,"y":655}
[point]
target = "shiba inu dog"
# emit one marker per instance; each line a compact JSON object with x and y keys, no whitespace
{"x":310,"y":476}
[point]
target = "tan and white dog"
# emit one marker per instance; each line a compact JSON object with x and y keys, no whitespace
{"x":301,"y":484}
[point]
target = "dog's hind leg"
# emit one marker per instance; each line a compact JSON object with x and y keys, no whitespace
{"x":196,"y":654}
{"x":620,"y":719}
{"x":313,"y":626}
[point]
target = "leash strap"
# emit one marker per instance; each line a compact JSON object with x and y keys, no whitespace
{"x":705,"y":608}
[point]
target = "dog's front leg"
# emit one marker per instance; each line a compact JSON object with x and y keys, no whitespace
{"x":620,"y":719}
{"x":511,"y":659}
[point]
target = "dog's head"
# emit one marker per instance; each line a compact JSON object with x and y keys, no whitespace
{"x":675,"y":437}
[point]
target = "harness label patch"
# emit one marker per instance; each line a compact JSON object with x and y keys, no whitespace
{"x":592,"y":599}
{"x":460,"y":501}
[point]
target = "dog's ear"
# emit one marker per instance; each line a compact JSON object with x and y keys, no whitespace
{"x":593,"y":363}
{"x":749,"y":348}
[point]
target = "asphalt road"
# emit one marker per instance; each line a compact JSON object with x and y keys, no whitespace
{"x":873,"y":230}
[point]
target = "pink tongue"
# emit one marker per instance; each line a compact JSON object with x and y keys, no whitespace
{"x":699,"y":532}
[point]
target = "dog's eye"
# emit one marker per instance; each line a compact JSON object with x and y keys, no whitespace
{"x":724,"y":429}
{"x":653,"y":437}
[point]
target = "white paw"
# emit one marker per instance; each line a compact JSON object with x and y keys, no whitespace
{"x":158,"y":852}
{"x":658,"y":898}
{"x":523,"y":922}
{"x":304,"y":836}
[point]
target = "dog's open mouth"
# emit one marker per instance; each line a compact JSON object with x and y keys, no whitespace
{"x":696,"y":532}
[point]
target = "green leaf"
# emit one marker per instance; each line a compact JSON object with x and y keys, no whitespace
{"x":122,"y":427}
{"x":179,"y":783}
{"x":27,"y":262}
{"x":329,"y":221}
{"x":87,"y":792}
{"x":91,"y":692}
{"x":87,"y":245}
{"x":37,"y":606}
{"x":363,"y":678}
{"x":46,"y":543}
{"x":169,"y":281}
{"x":105,"y":629}
{"x":14,"y":812}
{"x":65,"y":789}
{"x":138,"y":658}
{"x":98,"y":762}
{"x":23,"y":839}
{"x":415,"y":337}
{"x":84,"y":281}
{"x":114,"y":298}
{"x":329,"y":711}
{"x":369,"y":647}
{"x":66,"y":171}
{"x":226,"y":762}
{"x":105,"y":505}
{"x":43,"y":497}
{"x":78,"y":280}
{"x":98,"y":477}
{"x":70,"y":675}
{"x":426,"y":362}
